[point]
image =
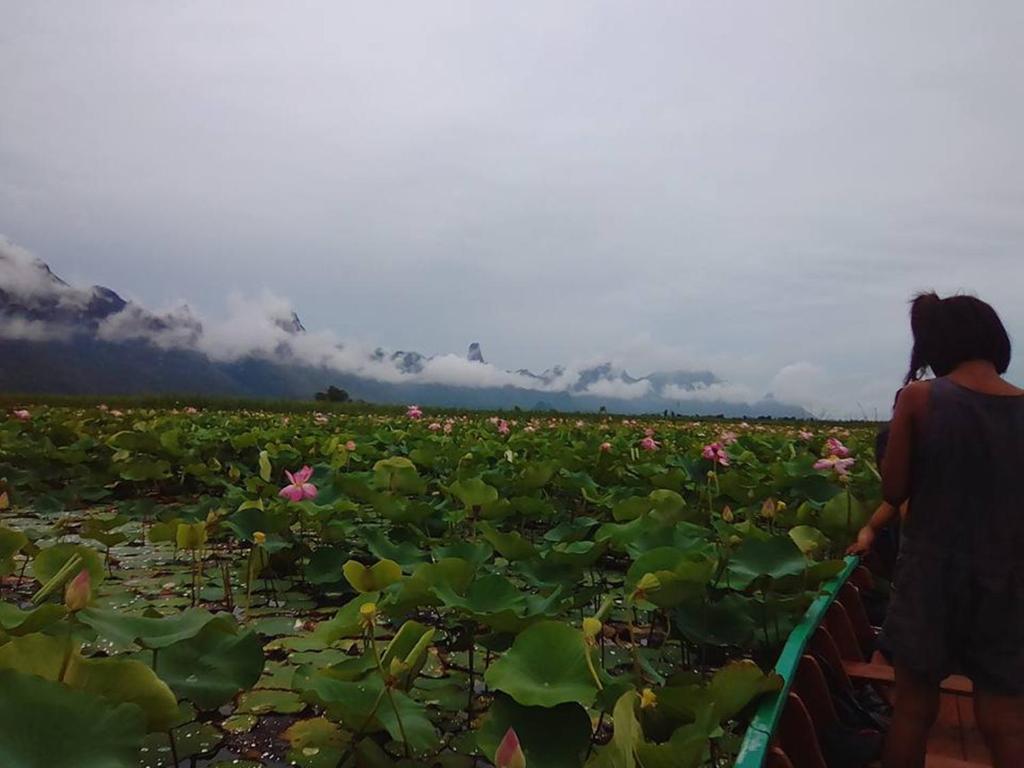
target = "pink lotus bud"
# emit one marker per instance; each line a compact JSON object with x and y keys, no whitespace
{"x":649,"y":444}
{"x":22,"y":415}
{"x":606,"y":447}
{"x":510,"y":754}
{"x":78,"y":592}
{"x":350,"y":446}
{"x":413,"y":412}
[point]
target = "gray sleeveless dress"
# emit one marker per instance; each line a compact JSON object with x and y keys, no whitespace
{"x":958,"y":594}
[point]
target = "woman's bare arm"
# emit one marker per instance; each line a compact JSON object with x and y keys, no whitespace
{"x":910,"y":410}
{"x":884,"y":515}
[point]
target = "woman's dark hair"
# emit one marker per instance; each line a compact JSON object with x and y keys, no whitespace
{"x":951,"y":331}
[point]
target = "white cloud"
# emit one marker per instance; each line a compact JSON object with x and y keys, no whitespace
{"x":23,"y":329}
{"x":723,"y":392}
{"x":802,"y":382}
{"x":625,"y":390}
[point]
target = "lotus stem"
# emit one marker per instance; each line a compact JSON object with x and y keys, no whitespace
{"x":58,"y":579}
{"x":387,"y":690}
{"x":174,"y":747}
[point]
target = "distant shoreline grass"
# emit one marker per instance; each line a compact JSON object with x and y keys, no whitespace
{"x":359,"y":408}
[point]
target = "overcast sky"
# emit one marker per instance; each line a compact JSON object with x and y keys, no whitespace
{"x":757,"y":188}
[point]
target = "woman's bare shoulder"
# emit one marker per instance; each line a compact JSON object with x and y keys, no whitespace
{"x":914,"y":394}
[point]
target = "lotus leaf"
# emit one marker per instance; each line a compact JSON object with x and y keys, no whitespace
{"x":44,"y":723}
{"x":150,"y":631}
{"x":120,"y":681}
{"x":210,"y":668}
{"x":373,"y":579}
{"x":545,"y":667}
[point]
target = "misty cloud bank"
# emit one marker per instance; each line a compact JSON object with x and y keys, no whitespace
{"x":40,"y":306}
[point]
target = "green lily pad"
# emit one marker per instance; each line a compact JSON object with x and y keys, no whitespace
{"x":45,"y":723}
{"x":215,"y":665}
{"x":545,"y":667}
{"x":120,"y":681}
{"x":315,"y":743}
{"x":240,"y":723}
{"x":773,"y":558}
{"x":473,"y":492}
{"x":261,"y":702}
{"x":356,"y":703}
{"x":738,"y":683}
{"x":373,"y":579}
{"x":149,"y":631}
{"x":17,"y":622}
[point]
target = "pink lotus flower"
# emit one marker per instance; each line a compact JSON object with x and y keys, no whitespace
{"x":728,"y":438}
{"x":300,"y":488}
{"x":350,"y":446}
{"x":320,"y":418}
{"x":649,"y":432}
{"x":649,"y":444}
{"x":78,"y":592}
{"x":606,"y":447}
{"x":804,"y":435}
{"x":191,"y":410}
{"x":716,"y":454}
{"x":840,"y":464}
{"x":448,"y":427}
{"x":103,"y":407}
{"x":510,"y":753}
{"x":22,"y":415}
{"x":116,"y":412}
{"x":833,"y":447}
{"x":503,"y":427}
{"x":414,"y":412}
{"x":434,"y":426}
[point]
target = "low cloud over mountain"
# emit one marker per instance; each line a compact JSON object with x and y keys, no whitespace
{"x":71,"y":339}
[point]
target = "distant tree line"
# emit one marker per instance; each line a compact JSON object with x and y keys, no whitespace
{"x":333,"y":395}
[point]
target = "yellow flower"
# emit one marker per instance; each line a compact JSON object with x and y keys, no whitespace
{"x":259,"y":537}
{"x":368,"y":612}
{"x":648,"y":700}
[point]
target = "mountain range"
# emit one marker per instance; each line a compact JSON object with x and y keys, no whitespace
{"x":56,"y":338}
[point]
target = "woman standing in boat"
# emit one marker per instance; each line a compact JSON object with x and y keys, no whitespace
{"x":956,"y":455}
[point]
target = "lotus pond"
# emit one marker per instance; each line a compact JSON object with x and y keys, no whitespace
{"x":230,"y":588}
